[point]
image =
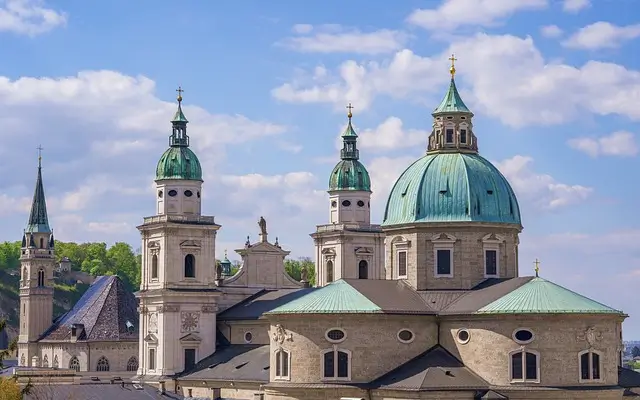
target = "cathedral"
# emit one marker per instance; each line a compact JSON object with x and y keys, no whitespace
{"x":429,"y":304}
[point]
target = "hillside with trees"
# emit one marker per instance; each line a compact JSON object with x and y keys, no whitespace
{"x":88,"y":259}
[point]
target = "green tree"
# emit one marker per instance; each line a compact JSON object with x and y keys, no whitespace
{"x":123,"y":262}
{"x":294,"y":269}
{"x":635,"y":352}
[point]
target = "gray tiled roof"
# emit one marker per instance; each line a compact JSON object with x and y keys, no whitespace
{"x":628,"y":378}
{"x":99,"y":392}
{"x":483,"y":294}
{"x":103,"y":310}
{"x":432,"y":370}
{"x":439,"y":299}
{"x":261,"y":302}
{"x":237,"y":362}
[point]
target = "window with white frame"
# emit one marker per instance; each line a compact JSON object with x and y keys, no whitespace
{"x":491,"y":244}
{"x":463,"y":136}
{"x":590,"y":365}
{"x":336,"y":364}
{"x":152,"y":359}
{"x":525,"y":366}
{"x":402,"y":263}
{"x":401,"y":247}
{"x":443,"y":255}
{"x":282,"y":364}
{"x":449,"y":135}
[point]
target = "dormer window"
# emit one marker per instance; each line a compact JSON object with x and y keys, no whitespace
{"x":449,"y":135}
{"x":463,"y":136}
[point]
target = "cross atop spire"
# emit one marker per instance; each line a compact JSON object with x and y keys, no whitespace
{"x":179,"y":136}
{"x":452,"y":70}
{"x":536,"y":268}
{"x":180,"y":91}
{"x":38,"y":219}
{"x":349,"y":114}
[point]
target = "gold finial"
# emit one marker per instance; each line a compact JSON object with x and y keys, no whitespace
{"x":39,"y":154}
{"x":349,"y":114}
{"x":537,"y":266}
{"x":225,"y":253}
{"x":179,"y":90}
{"x":453,"y":60}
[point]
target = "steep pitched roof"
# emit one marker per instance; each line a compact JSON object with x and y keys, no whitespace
{"x":260,"y":303}
{"x":432,"y":370}
{"x":238,"y":362}
{"x":103,"y":310}
{"x":38,"y":220}
{"x":452,"y":102}
{"x":358,"y":296}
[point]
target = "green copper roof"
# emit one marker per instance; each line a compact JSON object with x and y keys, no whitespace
{"x":539,"y":296}
{"x":38,"y":220}
{"x":179,"y":163}
{"x":336,"y":298}
{"x":452,"y":101}
{"x":451,"y":187}
{"x":350,"y":175}
{"x":179,"y":115}
{"x":349,"y":131}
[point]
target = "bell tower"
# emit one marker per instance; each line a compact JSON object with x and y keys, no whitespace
{"x":37,"y":261}
{"x":349,"y":246}
{"x":177,"y":290}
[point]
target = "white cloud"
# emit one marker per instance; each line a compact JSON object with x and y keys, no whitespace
{"x":390,"y":135}
{"x":508,"y":79}
{"x":29,"y":17}
{"x":601,"y":35}
{"x":337,"y":39}
{"x":551,"y":31}
{"x":619,"y":143}
{"x":452,"y":14}
{"x":540,"y":189}
{"x":574,"y":6}
{"x":259,"y":181}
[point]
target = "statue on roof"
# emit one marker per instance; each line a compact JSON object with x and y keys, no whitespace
{"x":262,"y":223}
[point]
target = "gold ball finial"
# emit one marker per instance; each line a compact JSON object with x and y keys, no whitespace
{"x":349,"y":114}
{"x":179,"y":90}
{"x":452,"y":70}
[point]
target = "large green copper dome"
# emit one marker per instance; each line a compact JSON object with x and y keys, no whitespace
{"x":178,"y":161}
{"x":451,"y":187}
{"x":349,"y":175}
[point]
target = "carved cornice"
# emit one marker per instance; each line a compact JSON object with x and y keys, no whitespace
{"x":167,"y":308}
{"x":209,"y":308}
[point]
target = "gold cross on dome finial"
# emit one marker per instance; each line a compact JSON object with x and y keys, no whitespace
{"x":180,"y":91}
{"x":536,"y":263}
{"x":349,"y":114}
{"x":453,"y":60}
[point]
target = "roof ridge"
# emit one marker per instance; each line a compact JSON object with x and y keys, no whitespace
{"x":572,"y":292}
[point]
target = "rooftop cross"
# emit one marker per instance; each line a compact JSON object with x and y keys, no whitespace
{"x":537,"y":266}
{"x":39,"y":154}
{"x":349,"y":114}
{"x":453,"y":60}
{"x":180,"y":91}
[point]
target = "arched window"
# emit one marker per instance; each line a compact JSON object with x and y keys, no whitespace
{"x":525,"y":366}
{"x":45,"y":362}
{"x":363,"y":270}
{"x":42,"y":243}
{"x":189,"y":266}
{"x":103,"y":364}
{"x":40,"y":277}
{"x":24,"y":274}
{"x":132,"y":364}
{"x":329,"y":271}
{"x":282,"y":364}
{"x":590,"y":365}
{"x":56,"y":364}
{"x":336,"y":364}
{"x":74,"y":364}
{"x":154,"y":267}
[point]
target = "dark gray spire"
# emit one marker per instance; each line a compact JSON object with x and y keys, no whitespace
{"x":38,"y":220}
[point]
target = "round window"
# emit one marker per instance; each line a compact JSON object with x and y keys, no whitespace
{"x":188,"y":193}
{"x":346,"y":203}
{"x":248,"y":337}
{"x":334,"y":204}
{"x":360,"y":203}
{"x":405,"y":336}
{"x":160,"y":193}
{"x":463,"y":336}
{"x":523,"y":336}
{"x":172,"y":193}
{"x":336,"y":335}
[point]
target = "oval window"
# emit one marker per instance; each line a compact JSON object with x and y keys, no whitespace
{"x":248,"y":337}
{"x":334,"y":204}
{"x":405,"y":335}
{"x":335,"y":335}
{"x":172,"y":193}
{"x":188,"y":193}
{"x":463,"y":336}
{"x":523,"y":336}
{"x":198,"y":194}
{"x":160,"y":193}
{"x":360,"y":203}
{"x":346,"y":203}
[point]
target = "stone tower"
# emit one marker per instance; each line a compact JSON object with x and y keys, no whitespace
{"x":177,"y":290}
{"x":349,"y":246}
{"x":37,"y":261}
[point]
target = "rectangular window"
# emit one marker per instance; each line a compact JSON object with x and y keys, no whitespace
{"x":590,"y":366}
{"x":524,"y":366}
{"x":449,"y":134}
{"x":189,"y":359}
{"x":516,"y":367}
{"x":463,"y":136}
{"x":531,"y":366}
{"x":402,"y":264}
{"x":343,"y":364}
{"x":152,"y":358}
{"x":329,"y":366}
{"x":282,"y":364}
{"x":491,"y":262}
{"x":443,"y":262}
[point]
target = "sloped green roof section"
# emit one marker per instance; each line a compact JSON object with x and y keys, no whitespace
{"x":179,"y":163}
{"x":349,"y":131}
{"x":350,"y":175}
{"x":539,"y":296}
{"x":337,"y":297}
{"x":452,"y":101}
{"x":179,"y":115}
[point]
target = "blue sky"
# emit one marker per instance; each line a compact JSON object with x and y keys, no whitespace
{"x":555,"y":87}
